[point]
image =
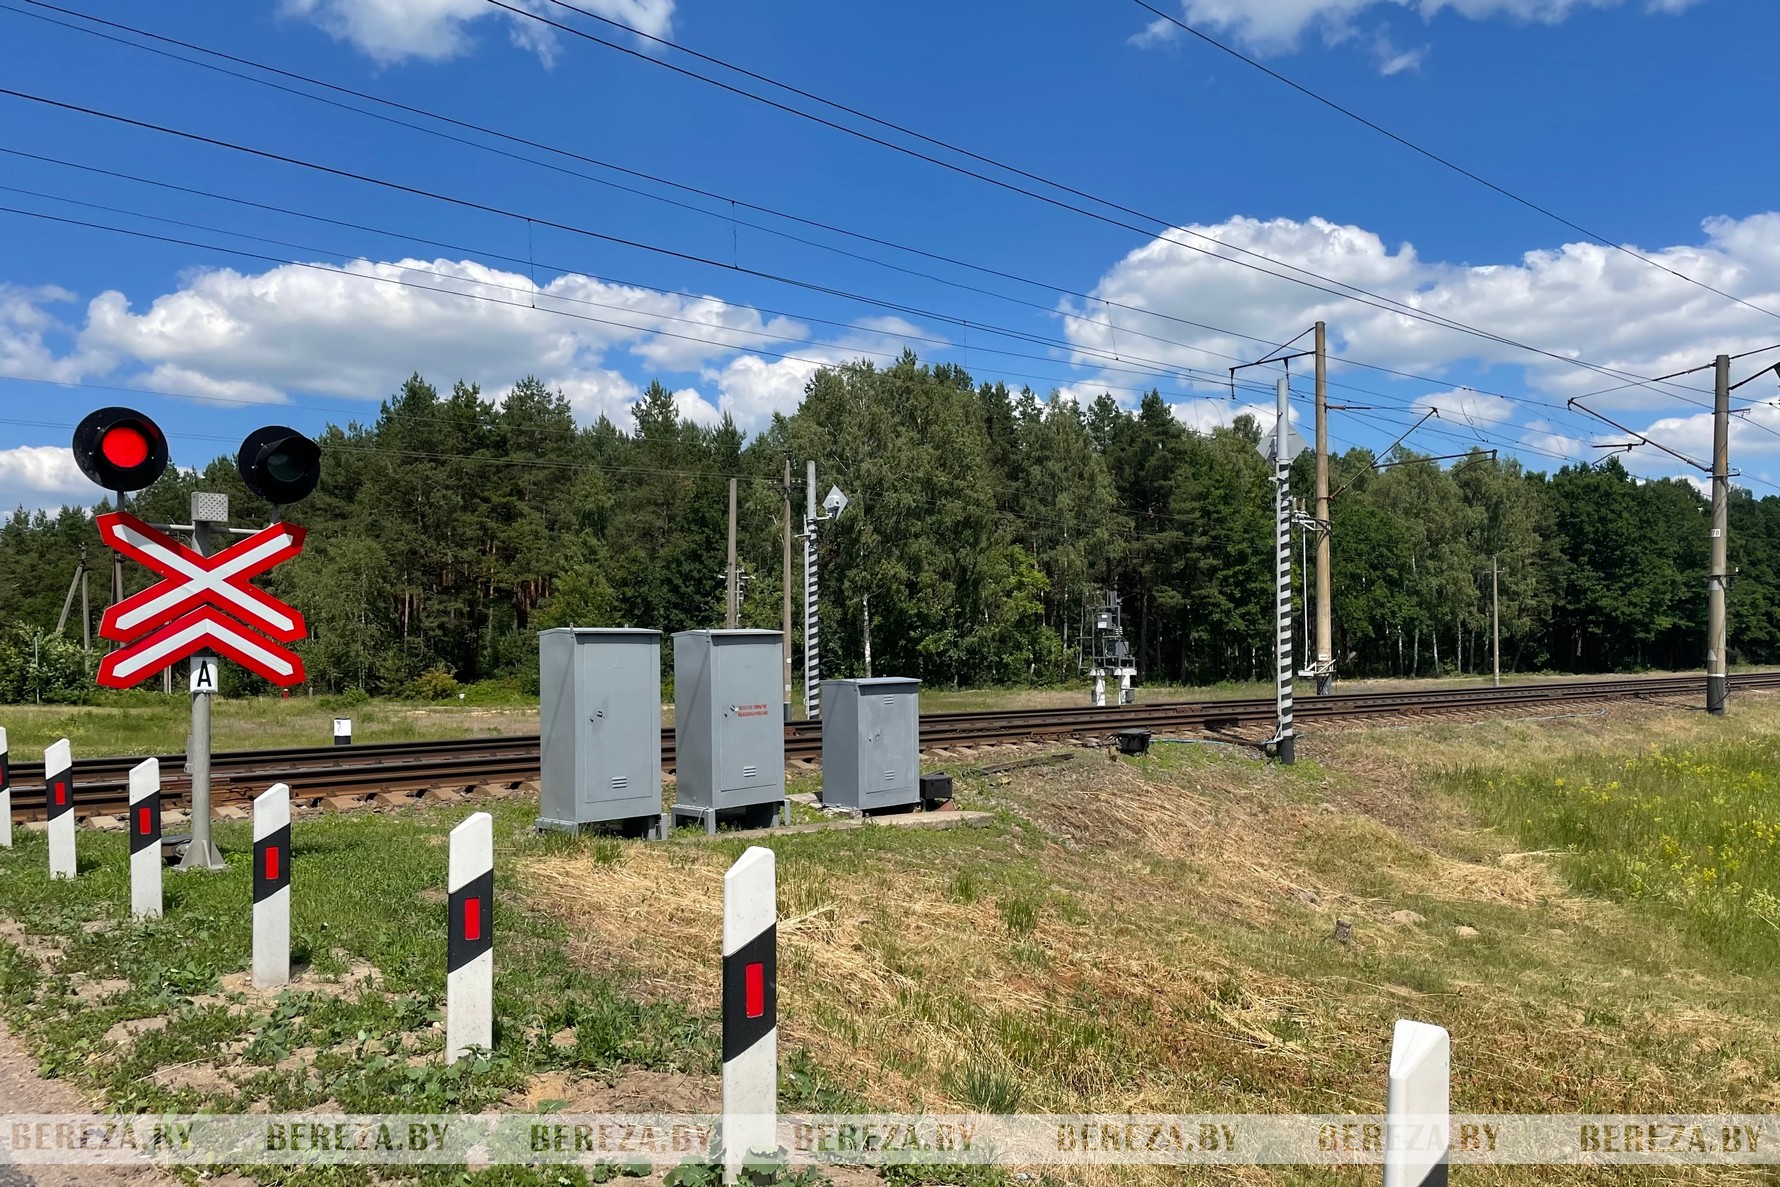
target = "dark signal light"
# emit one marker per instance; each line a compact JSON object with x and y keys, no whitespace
{"x":279,"y":464}
{"x":120,"y":449}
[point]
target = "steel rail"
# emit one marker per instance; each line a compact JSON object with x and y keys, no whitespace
{"x":314,"y":772}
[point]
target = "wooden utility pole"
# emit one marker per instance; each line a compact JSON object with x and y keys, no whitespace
{"x":731,"y":600}
{"x":1325,"y":641}
{"x":785,"y":582}
{"x":1716,"y":680}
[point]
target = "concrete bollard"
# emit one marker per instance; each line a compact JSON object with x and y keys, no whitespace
{"x":5,"y":793}
{"x":1418,"y":1107}
{"x":145,"y":839}
{"x":271,"y":887}
{"x":469,"y":950}
{"x":58,"y":803}
{"x":750,"y":1010}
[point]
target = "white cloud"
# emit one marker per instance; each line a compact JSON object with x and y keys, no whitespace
{"x":41,"y":475}
{"x":360,"y":329}
{"x":435,"y":30}
{"x":25,"y":326}
{"x":1578,"y":300}
{"x":1279,"y":26}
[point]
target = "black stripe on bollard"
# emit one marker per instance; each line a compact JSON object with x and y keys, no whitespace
{"x":58,"y":795}
{"x":750,"y":993}
{"x":145,"y":823}
{"x":1436,"y":1174}
{"x":471,"y":923}
{"x":271,"y":864}
{"x":5,"y":770}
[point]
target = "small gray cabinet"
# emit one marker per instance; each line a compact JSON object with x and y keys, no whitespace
{"x":729,"y":733}
{"x":600,"y":728}
{"x":871,"y":743}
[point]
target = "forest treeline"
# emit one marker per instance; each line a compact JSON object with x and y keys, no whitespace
{"x":453,"y":527}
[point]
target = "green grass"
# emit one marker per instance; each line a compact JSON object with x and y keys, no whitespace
{"x":1688,"y":832}
{"x":365,"y":890}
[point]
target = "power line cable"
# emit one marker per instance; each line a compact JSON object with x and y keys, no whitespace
{"x":1365,"y":297}
{"x":1444,"y":161}
{"x":732,"y":201}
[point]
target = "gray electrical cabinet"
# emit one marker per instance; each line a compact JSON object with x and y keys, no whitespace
{"x":729,"y":735}
{"x":600,"y":743}
{"x":871,"y":743}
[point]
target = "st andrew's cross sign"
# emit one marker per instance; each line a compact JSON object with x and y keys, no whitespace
{"x":190,"y":610}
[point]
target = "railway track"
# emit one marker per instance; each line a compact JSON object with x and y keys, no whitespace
{"x":406,"y":767}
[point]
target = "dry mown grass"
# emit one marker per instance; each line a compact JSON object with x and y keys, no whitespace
{"x":1161,"y":936}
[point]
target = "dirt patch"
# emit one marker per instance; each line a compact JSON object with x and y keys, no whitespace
{"x":22,"y":1087}
{"x":359,"y":976}
{"x":632,"y":1092}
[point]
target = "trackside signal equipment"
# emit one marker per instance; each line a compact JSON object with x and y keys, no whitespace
{"x":120,"y":449}
{"x":871,"y":751}
{"x":730,"y":743}
{"x":600,"y":694}
{"x":279,"y":464}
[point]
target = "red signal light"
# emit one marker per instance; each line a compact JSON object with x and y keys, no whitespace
{"x":124,"y":447}
{"x":120,"y":449}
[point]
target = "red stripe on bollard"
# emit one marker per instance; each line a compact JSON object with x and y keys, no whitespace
{"x":754,"y":989}
{"x":271,"y":864}
{"x":142,"y":825}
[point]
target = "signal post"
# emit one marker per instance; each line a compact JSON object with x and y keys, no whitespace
{"x":205,"y":604}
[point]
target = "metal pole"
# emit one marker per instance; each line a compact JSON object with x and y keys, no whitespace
{"x":1282,"y":511}
{"x":1325,"y":630}
{"x":86,"y":613}
{"x":201,"y":854}
{"x":731,"y":603}
{"x":812,"y":652}
{"x":785,"y":582}
{"x":865,"y":601}
{"x":1716,"y":681}
{"x":1495,"y":625}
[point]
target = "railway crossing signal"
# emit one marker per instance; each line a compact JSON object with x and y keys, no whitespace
{"x":185,"y":605}
{"x":279,"y":465}
{"x":120,"y":449}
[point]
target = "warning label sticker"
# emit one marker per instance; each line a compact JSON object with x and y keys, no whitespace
{"x":750,"y":710}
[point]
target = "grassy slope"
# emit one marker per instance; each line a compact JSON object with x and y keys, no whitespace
{"x":1152,"y":935}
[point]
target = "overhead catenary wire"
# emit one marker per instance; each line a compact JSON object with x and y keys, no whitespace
{"x":1064,"y":290}
{"x":1445,"y":162}
{"x":1318,"y":280}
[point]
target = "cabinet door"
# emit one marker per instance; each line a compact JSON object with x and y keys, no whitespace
{"x":893,"y":764}
{"x":751,"y":738}
{"x":621,"y":723}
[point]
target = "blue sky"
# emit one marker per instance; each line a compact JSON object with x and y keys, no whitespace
{"x":1649,"y":123}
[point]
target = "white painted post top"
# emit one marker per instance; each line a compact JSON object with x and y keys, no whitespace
{"x":750,"y":900}
{"x":472,"y":851}
{"x":145,"y":779}
{"x":271,"y":811}
{"x":57,"y":757}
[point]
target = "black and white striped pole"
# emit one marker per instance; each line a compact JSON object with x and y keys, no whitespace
{"x":469,"y":951}
{"x":145,"y":839}
{"x":5,"y":793}
{"x":1417,"y":1112}
{"x":750,"y":1010}
{"x":271,"y":887}
{"x":1284,"y":745}
{"x":58,"y":806}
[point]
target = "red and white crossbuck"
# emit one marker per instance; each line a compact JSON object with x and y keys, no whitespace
{"x":189,"y":610}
